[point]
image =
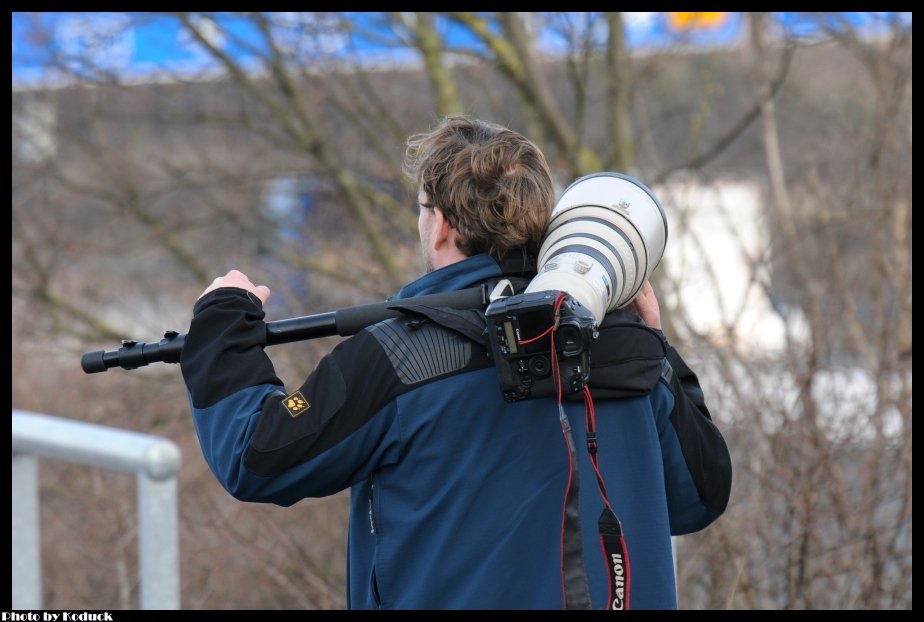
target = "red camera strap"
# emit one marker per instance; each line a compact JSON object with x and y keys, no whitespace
{"x":612,"y":539}
{"x":575,"y":589}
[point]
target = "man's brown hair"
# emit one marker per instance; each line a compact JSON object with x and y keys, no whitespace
{"x":492,"y":184}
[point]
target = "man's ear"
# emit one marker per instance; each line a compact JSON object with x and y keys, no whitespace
{"x":443,"y":232}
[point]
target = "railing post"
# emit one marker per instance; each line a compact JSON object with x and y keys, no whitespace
{"x":27,"y":542}
{"x":158,"y":545}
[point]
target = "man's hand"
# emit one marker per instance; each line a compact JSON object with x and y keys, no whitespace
{"x":646,"y":303}
{"x":238,"y":279}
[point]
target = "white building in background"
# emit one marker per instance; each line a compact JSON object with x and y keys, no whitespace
{"x":716,"y":266}
{"x":716,"y":273}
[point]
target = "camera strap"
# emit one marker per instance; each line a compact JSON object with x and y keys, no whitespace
{"x":612,"y":540}
{"x":469,"y":323}
{"x":575,"y":590}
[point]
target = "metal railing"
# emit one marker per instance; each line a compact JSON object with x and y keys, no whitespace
{"x":154,"y":460}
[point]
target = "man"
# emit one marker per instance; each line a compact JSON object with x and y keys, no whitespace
{"x":457,"y":495}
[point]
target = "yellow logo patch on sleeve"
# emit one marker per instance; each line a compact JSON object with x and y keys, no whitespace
{"x":295,"y":404}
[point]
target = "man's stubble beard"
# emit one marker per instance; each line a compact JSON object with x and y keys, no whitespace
{"x":428,"y":260}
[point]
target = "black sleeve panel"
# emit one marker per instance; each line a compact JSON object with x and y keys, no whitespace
{"x":347,"y":388}
{"x":702,"y":444}
{"x":223,"y":351}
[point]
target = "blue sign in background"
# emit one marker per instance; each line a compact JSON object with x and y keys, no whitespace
{"x":47,"y":46}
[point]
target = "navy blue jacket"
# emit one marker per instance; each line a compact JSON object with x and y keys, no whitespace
{"x":456,"y":494}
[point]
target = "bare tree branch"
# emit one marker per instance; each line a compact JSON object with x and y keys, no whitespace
{"x":737,"y":128}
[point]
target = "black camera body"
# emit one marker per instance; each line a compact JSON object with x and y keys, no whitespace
{"x":524,"y":363}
